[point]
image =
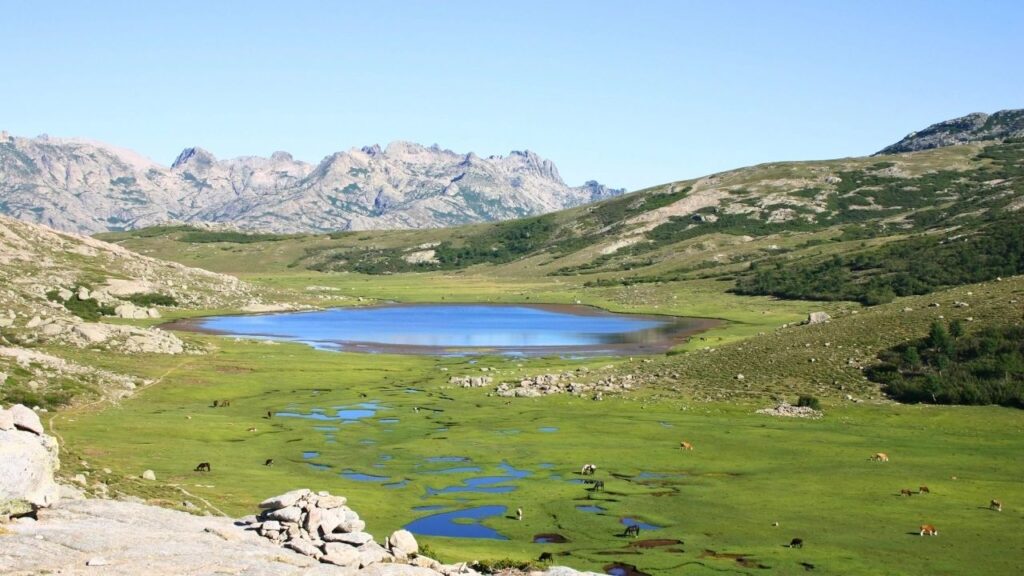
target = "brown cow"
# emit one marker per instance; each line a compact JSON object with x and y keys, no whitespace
{"x":995,"y":505}
{"x":203,"y":467}
{"x":684,"y":445}
{"x":923,"y":490}
{"x":929,"y":530}
{"x":269,"y":462}
{"x":880,"y":457}
{"x":906,"y":492}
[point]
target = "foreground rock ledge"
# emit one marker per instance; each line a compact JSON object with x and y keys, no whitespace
{"x":124,"y":538}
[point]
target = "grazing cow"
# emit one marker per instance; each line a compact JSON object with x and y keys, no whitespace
{"x":995,"y":505}
{"x":519,"y":513}
{"x":880,"y":457}
{"x":269,"y":462}
{"x":597,"y":485}
{"x":269,"y":414}
{"x":796,"y":543}
{"x":929,"y":530}
{"x":588,"y":469}
{"x":252,"y":429}
{"x":684,"y":445}
{"x":546,"y":557}
{"x":923,"y":490}
{"x":216,"y":403}
{"x":906,"y":492}
{"x":203,"y":467}
{"x":632,"y":530}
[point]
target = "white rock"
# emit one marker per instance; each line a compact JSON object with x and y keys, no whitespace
{"x":149,"y":475}
{"x":284,"y":500}
{"x":96,"y":561}
{"x":6,"y":420}
{"x":289,"y":514}
{"x":26,"y":419}
{"x":35,"y":321}
{"x":351,"y":538}
{"x":27,"y":466}
{"x":340,"y":554}
{"x":402,"y":544}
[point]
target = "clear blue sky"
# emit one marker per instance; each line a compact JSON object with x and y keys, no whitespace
{"x":630,"y":93}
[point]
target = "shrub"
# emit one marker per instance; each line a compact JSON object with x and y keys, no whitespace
{"x":807,"y":401}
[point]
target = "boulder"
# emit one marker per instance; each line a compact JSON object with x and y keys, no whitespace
{"x":372,"y":553}
{"x":402,"y":544}
{"x":305,"y":547}
{"x":149,"y":475}
{"x":327,"y":501}
{"x":6,"y":420}
{"x":34,"y":322}
{"x":284,"y":500}
{"x":818,"y":318}
{"x":25,"y":419}
{"x":92,"y":333}
{"x":288,"y":514}
{"x":27,"y":465}
{"x":340,"y":554}
{"x":350,"y":538}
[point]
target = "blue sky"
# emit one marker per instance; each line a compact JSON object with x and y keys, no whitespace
{"x":628,"y":93}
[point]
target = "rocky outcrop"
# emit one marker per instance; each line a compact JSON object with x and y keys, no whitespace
{"x":975,"y":127}
{"x":578,"y":382}
{"x":28,"y":461}
{"x":82,"y":186}
{"x":789,"y":411}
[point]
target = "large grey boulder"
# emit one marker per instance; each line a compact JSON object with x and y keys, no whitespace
{"x":818,"y":318}
{"x":27,"y":464}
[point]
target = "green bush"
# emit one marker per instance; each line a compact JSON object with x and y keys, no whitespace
{"x":809,"y":402}
{"x":88,"y":309}
{"x":152,"y":299}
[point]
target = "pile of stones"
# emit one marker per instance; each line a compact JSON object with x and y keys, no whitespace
{"x":788,"y":410}
{"x":321,"y":526}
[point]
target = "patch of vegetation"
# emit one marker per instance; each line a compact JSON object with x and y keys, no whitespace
{"x":918,"y":265}
{"x":152,"y":299}
{"x":88,"y":309}
{"x":809,"y":402}
{"x":950,"y":367}
{"x":194,"y":236}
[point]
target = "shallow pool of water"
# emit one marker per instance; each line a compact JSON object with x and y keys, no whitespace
{"x":361,"y":477}
{"x":453,"y":524}
{"x":643,"y":525}
{"x":436,"y":328}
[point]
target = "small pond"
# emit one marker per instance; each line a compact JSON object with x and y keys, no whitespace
{"x":444,"y":329}
{"x":459,"y":523}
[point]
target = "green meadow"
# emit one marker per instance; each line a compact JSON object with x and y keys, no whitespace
{"x":722,"y":499}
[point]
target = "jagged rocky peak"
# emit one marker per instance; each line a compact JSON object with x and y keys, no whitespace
{"x":975,"y":127}
{"x":194,"y":157}
{"x":89,"y":187}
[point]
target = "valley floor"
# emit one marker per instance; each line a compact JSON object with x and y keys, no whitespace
{"x":750,"y":485}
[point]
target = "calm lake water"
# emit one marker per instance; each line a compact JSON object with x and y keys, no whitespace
{"x":432,"y":328}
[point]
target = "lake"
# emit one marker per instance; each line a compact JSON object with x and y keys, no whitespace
{"x":461,"y":328}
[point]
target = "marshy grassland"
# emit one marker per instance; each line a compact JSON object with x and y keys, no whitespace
{"x":746,"y":473}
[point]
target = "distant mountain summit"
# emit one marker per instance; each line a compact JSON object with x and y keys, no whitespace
{"x":84,"y":186}
{"x":971,"y":128}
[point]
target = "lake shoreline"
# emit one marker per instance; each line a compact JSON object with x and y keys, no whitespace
{"x":675,"y":330}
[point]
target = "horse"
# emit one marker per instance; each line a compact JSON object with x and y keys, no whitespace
{"x":796,"y":543}
{"x":269,"y":462}
{"x":995,"y":505}
{"x":203,"y":467}
{"x":906,"y":492}
{"x":632,"y":530}
{"x":880,"y":457}
{"x":684,"y":445}
{"x":923,"y":490}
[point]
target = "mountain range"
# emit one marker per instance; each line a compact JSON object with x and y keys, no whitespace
{"x":85,"y":186}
